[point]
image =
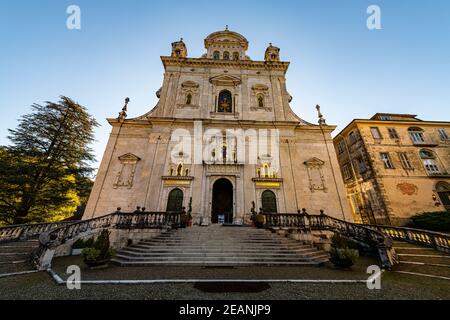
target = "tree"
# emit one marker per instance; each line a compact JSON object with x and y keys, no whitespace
{"x":49,"y":153}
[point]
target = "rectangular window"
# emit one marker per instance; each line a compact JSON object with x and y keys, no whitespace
{"x":386,"y":118}
{"x":406,"y":164}
{"x":393,"y":133}
{"x":417,"y":136}
{"x":375,"y":132}
{"x":443,"y":134}
{"x":361,"y":165}
{"x":340,"y":147}
{"x":386,"y":160}
{"x":346,"y":172}
{"x":431,"y":166}
{"x":352,"y":137}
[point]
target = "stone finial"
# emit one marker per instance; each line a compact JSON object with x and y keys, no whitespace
{"x":123,"y":113}
{"x":322,"y":120}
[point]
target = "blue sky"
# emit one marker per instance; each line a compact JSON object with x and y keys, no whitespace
{"x":352,"y":72}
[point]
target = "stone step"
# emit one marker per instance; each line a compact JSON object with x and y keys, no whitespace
{"x":219,"y":254}
{"x":216,"y":250}
{"x":121,"y":258}
{"x":216,"y":263}
{"x":216,"y":245}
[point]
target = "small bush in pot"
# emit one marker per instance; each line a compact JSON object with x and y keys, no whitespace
{"x":259,"y":221}
{"x":100,"y":252}
{"x":341,"y":254}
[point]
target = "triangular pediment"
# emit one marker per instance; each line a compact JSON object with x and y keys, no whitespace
{"x":314,"y":162}
{"x":129,"y":157}
{"x":225,"y":80}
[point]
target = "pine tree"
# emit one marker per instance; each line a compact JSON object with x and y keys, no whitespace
{"x":49,"y":153}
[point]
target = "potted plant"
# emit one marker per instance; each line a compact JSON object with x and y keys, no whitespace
{"x":100,"y":252}
{"x":341,"y":255}
{"x":259,"y":221}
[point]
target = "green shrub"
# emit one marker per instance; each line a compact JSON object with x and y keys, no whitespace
{"x":79,"y":244}
{"x":89,"y":243}
{"x":100,"y":249}
{"x":90,"y":254}
{"x":343,"y":252}
{"x":344,"y":257}
{"x":434,"y":221}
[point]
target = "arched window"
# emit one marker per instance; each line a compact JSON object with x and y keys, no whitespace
{"x":225,"y":103}
{"x":260,"y":98}
{"x":429,"y":162}
{"x":269,"y":202}
{"x":216,"y":55}
{"x":175,"y":201}
{"x":235,"y":56}
{"x":416,"y":135}
{"x":443,"y":191}
{"x":226,"y":55}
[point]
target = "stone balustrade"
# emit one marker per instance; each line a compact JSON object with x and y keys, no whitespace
{"x":25,"y":231}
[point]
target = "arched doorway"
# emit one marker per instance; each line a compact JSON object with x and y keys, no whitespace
{"x":222,"y":202}
{"x":443,"y":191}
{"x":269,"y":202}
{"x":175,"y":201}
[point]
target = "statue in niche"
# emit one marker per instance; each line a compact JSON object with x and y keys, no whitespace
{"x":260,"y":101}
{"x":189,"y":99}
{"x":224,"y":153}
{"x":179,"y":170}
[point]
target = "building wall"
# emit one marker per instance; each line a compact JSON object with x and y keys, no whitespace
{"x":319,"y":189}
{"x":402,"y":191}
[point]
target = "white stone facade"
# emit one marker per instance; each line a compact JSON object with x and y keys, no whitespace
{"x":138,"y":167}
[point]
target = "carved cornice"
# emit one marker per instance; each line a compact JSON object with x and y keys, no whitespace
{"x":239,"y":64}
{"x":188,"y":178}
{"x":267,"y":179}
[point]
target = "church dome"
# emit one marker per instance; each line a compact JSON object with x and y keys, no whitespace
{"x":226,"y":45}
{"x":226,"y":37}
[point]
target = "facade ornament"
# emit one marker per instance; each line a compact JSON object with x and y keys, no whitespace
{"x":123,"y":113}
{"x":322,"y":120}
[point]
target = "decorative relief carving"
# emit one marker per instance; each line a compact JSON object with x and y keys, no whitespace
{"x":189,"y":95}
{"x":125,"y":176}
{"x":315,"y":174}
{"x":407,"y":188}
{"x":260,"y":98}
{"x":223,"y":169}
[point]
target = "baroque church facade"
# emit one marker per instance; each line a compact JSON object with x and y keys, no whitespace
{"x":221,"y":141}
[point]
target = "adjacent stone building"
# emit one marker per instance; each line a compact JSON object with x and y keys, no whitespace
{"x":222,"y":140}
{"x":395,"y":166}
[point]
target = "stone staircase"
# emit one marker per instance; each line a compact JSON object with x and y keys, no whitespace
{"x":422,"y":260}
{"x":218,"y":245}
{"x":15,"y":256}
